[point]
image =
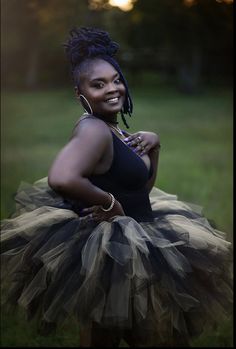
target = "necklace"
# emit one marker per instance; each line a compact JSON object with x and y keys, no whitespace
{"x":114,"y":122}
{"x":116,"y":129}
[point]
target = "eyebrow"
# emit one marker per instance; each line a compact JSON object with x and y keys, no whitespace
{"x":103,"y":79}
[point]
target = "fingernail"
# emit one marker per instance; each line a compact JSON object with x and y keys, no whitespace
{"x":126,"y":139}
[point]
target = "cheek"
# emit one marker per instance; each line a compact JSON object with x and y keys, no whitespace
{"x":94,"y":96}
{"x":122,"y":90}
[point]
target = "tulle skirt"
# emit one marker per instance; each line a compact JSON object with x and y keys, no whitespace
{"x":171,"y":274}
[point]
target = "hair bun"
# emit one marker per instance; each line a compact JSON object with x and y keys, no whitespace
{"x":87,"y":42}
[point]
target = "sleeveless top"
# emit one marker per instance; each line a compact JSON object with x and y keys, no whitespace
{"x":126,"y":180}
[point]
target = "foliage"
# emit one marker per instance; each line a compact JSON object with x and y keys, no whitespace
{"x":193,"y":43}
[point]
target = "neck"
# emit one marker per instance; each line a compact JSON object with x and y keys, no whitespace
{"x":112,"y":122}
{"x":110,"y":119}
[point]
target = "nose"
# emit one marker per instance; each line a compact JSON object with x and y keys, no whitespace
{"x":112,"y":87}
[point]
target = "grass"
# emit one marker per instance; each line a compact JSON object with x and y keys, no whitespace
{"x":195,"y":163}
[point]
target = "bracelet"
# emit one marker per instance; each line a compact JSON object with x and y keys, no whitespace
{"x":111,"y":205}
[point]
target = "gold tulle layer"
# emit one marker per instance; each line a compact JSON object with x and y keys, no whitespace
{"x":172,"y":274}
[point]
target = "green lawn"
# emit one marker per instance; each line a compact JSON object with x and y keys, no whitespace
{"x":195,"y":163}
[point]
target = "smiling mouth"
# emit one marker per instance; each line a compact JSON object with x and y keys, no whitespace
{"x":112,"y":100}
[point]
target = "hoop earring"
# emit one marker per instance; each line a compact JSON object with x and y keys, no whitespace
{"x":86,"y":105}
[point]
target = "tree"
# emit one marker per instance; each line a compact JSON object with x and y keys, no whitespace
{"x":189,"y":40}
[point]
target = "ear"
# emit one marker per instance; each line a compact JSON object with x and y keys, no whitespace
{"x":77,"y":91}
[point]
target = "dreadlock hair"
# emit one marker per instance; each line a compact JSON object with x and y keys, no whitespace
{"x":86,"y":44}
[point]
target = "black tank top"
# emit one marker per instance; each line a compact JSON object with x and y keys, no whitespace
{"x":126,"y":180}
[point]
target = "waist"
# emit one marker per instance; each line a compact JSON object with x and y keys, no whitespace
{"x":136,"y":204}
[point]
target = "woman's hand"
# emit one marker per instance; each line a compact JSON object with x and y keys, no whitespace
{"x":98,"y":215}
{"x":143,"y":142}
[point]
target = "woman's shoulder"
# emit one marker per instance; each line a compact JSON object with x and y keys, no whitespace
{"x":91,"y":125}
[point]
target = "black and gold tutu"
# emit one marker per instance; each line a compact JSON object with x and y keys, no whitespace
{"x":168,"y":271}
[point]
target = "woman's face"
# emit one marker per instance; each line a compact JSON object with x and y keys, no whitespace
{"x":102,"y":87}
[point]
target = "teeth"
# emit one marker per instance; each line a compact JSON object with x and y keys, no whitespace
{"x":112,"y":100}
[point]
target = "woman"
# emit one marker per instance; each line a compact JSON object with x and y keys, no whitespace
{"x":100,"y":243}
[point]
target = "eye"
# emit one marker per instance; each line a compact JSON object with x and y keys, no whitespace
{"x":117,"y":81}
{"x":98,"y":85}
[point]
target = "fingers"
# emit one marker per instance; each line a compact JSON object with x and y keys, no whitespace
{"x":145,"y":150}
{"x":134,"y":140}
{"x":92,"y":217}
{"x":142,"y":148}
{"x":94,"y":213}
{"x":132,"y":137}
{"x":139,"y":145}
{"x":88,"y":218}
{"x":139,"y":142}
{"x":88,"y":210}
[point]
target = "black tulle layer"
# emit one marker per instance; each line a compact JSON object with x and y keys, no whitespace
{"x":171,"y":274}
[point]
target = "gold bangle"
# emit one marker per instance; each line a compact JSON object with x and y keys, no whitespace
{"x":111,"y":205}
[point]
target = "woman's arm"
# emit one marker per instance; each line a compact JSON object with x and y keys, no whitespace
{"x":77,"y":160}
{"x":154,"y":158}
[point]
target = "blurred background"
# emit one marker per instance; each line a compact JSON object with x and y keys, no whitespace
{"x":188,"y":42}
{"x":177,"y":56}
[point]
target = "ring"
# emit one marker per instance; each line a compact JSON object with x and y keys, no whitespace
{"x":139,"y":139}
